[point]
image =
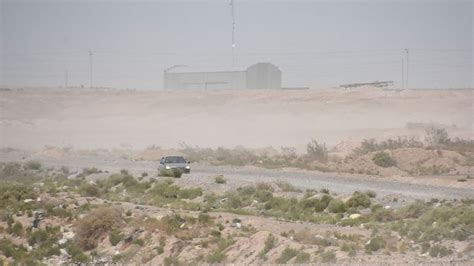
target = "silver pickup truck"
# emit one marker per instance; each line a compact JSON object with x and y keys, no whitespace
{"x":173,"y":166}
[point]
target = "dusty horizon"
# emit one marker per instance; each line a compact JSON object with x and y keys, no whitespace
{"x":92,"y":119}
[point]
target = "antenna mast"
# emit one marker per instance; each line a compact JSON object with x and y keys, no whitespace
{"x":233,"y":30}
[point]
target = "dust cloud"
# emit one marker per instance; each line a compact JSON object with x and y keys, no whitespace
{"x":94,"y":118}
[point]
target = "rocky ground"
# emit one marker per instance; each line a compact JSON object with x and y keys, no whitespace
{"x":121,"y":216}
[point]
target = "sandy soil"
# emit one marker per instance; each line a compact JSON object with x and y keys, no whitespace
{"x":82,"y":118}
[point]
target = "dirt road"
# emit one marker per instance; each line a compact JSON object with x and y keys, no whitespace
{"x":203,"y":175}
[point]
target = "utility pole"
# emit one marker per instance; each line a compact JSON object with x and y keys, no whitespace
{"x":403,"y":74}
{"x":233,"y":31}
{"x":90,"y":67}
{"x":66,"y":79}
{"x":408,"y":64}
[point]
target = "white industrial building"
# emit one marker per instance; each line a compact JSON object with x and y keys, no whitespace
{"x":257,"y":76}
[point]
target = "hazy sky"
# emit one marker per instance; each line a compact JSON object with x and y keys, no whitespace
{"x":315,"y":43}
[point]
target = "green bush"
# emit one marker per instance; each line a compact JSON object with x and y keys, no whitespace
{"x":287,"y":254}
{"x":302,"y":257}
{"x":204,"y":218}
{"x":269,"y":245}
{"x":37,"y":237}
{"x":336,"y":206}
{"x":321,"y":204}
{"x":76,"y":253}
{"x":17,"y":229}
{"x":220,"y":179}
{"x":10,"y":170}
{"x":371,"y":145}
{"x":439,"y":251}
{"x":139,"y":242}
{"x":190,"y":193}
{"x":328,"y":257}
{"x":371,"y":194}
{"x":383,"y":159}
{"x":115,"y":237}
{"x":89,"y":190}
{"x":287,"y":187}
{"x":375,"y":244}
{"x":9,"y":249}
{"x":172,"y":261}
{"x":98,"y":222}
{"x":219,"y":255}
{"x":358,"y":199}
{"x":33,"y":165}
{"x":317,"y":151}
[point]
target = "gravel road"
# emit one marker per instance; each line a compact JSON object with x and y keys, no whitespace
{"x":202,"y":175}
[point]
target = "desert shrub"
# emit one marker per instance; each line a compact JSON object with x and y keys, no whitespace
{"x":98,"y":222}
{"x":171,"y":223}
{"x":371,"y":193}
{"x":302,"y":257}
{"x":425,"y":246}
{"x":33,"y":165}
{"x":160,"y":250}
{"x":383,"y":159}
{"x":204,"y":218}
{"x":139,"y":242}
{"x":439,"y":251}
{"x":17,"y":229}
{"x":172,"y":261}
{"x":10,"y":169}
{"x":264,"y":187}
{"x":90,"y":171}
{"x":12,"y":194}
{"x":317,"y":151}
{"x":323,"y":203}
{"x":371,"y":145}
{"x":269,"y":245}
{"x":414,"y":210}
{"x":76,"y":253}
{"x":164,"y":191}
{"x":89,"y":190}
{"x":324,"y":191}
{"x":215,"y":257}
{"x":287,"y":187}
{"x":190,"y":193}
{"x":128,"y":213}
{"x":38,"y":236}
{"x":263,"y":195}
{"x":436,"y":136}
{"x":375,"y":244}
{"x":336,"y":206}
{"x":383,"y":215}
{"x":64,"y":170}
{"x":306,"y":237}
{"x":358,"y":199}
{"x":328,"y":257}
{"x":286,"y":255}
{"x":350,"y":248}
{"x":115,"y":236}
{"x":219,"y":255}
{"x":220,"y":179}
{"x":9,"y":249}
